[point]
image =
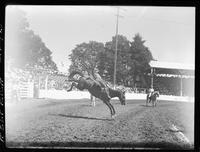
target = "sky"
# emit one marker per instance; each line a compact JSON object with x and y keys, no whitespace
{"x":169,"y":31}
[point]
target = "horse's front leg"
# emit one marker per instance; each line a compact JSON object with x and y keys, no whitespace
{"x":73,"y":84}
{"x":147,"y":100}
{"x":154,"y":103}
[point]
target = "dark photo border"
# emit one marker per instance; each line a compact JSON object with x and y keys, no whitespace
{"x":190,"y":3}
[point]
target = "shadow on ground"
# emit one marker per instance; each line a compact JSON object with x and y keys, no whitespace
{"x":81,"y":117}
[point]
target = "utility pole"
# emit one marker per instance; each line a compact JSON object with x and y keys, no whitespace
{"x":115,"y":63}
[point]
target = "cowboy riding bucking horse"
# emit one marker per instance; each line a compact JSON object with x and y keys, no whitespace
{"x":97,"y":87}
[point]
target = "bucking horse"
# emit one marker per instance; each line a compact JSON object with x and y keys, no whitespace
{"x":93,"y":86}
{"x":152,"y":98}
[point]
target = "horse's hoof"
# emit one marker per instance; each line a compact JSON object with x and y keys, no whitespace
{"x":113,"y":116}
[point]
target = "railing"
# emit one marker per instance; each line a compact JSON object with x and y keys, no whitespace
{"x":136,"y":90}
{"x":26,"y":89}
{"x":140,"y":90}
{"x":16,"y":92}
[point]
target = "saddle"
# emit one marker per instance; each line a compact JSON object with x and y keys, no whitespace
{"x":150,"y":94}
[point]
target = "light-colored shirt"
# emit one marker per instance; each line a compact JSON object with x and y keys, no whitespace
{"x":151,"y":90}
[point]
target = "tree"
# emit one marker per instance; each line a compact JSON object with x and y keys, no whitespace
{"x":140,"y":57}
{"x":85,"y":56}
{"x":132,"y":59}
{"x":122,"y":58}
{"x":23,"y":45}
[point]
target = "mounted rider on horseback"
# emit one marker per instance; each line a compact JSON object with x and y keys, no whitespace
{"x":152,"y":96}
{"x":150,"y":92}
{"x":103,"y":84}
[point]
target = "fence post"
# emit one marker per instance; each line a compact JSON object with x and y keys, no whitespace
{"x":46,"y":85}
{"x":181,"y":90}
{"x":152,"y":77}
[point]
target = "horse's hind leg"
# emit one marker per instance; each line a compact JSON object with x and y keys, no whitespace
{"x":112,"y":108}
{"x":112,"y":111}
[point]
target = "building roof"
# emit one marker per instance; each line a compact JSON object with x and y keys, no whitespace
{"x":170,"y":65}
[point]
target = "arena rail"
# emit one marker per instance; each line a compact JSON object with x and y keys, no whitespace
{"x":62,"y":94}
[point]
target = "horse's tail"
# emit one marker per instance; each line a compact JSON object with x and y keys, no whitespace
{"x":74,"y":73}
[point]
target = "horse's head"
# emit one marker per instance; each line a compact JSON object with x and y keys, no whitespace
{"x":122,"y":97}
{"x":156,"y":93}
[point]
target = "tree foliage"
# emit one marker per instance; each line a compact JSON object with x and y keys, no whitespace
{"x":23,"y":46}
{"x":86,"y":56}
{"x":122,"y":58}
{"x":140,"y":54}
{"x":132,"y":59}
{"x":140,"y":58}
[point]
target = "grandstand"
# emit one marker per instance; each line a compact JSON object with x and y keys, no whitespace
{"x":172,"y":78}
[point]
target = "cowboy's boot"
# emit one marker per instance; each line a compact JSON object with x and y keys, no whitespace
{"x":107,"y":92}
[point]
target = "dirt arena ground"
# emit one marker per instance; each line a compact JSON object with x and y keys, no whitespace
{"x":75,"y":123}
